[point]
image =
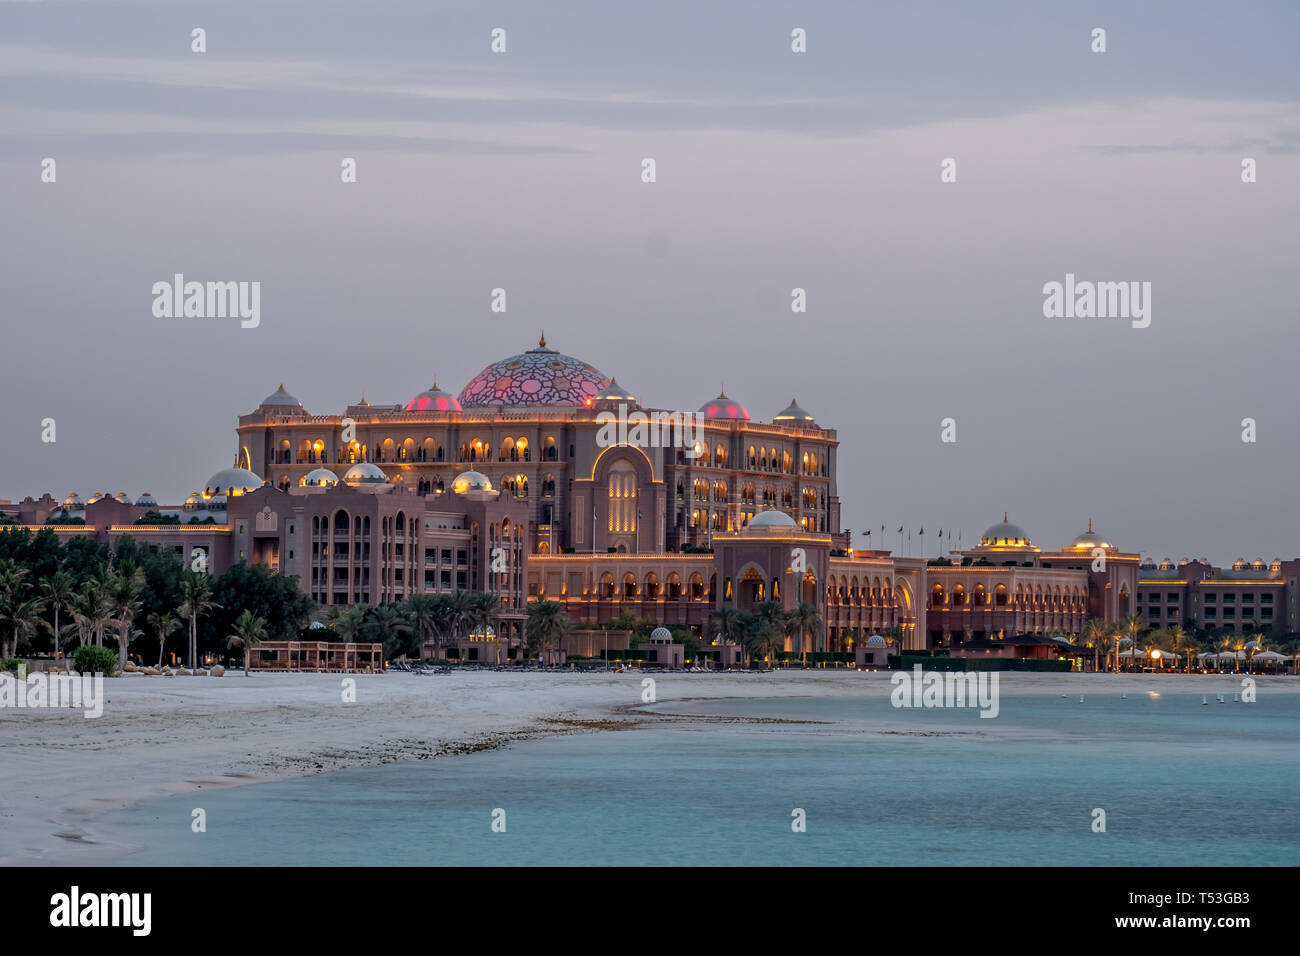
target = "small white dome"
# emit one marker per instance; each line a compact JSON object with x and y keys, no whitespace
{"x":281,"y":398}
{"x":661,"y":634}
{"x":1005,"y":534}
{"x":471,"y":481}
{"x":773,"y":519}
{"x":875,"y":640}
{"x":231,"y":481}
{"x":363,"y":473}
{"x":319,"y":478}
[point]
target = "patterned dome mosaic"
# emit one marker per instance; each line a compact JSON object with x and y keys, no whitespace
{"x":540,"y":376}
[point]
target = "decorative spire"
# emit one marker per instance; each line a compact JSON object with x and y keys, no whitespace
{"x":541,"y":342}
{"x":1089,"y":526}
{"x":1004,"y":517}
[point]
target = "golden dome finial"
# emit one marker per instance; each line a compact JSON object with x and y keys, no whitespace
{"x":541,"y":342}
{"x":1004,"y":517}
{"x":1089,"y":526}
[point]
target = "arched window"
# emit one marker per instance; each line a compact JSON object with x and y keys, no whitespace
{"x":622,"y":498}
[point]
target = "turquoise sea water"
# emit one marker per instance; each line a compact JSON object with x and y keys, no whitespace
{"x":1181,"y":784}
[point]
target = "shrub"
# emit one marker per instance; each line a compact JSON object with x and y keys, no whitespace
{"x":95,"y":660}
{"x":10,"y":663}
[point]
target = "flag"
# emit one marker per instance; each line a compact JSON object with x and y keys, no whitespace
{"x":900,"y":529}
{"x":922,"y":531}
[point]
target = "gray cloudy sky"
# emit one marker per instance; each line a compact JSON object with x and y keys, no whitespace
{"x":775,"y":170}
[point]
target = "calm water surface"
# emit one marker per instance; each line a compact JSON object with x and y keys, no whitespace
{"x":1181,"y":784}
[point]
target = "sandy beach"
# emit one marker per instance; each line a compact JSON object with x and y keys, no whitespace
{"x":160,"y":736}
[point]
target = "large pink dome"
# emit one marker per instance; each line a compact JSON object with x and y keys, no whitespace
{"x":540,"y":376}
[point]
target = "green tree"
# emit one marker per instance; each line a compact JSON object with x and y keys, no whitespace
{"x":460,"y":606}
{"x":388,"y":625}
{"x":729,"y":622}
{"x":163,"y":626}
{"x":90,"y":613}
{"x":196,"y":600}
{"x":124,"y":589}
{"x":275,"y":598}
{"x":807,"y":623}
{"x":20,"y":615}
{"x":1094,"y":636}
{"x":546,"y":625}
{"x":347,"y":622}
{"x":249,"y":631}
{"x":486,"y":610}
{"x":58,"y":590}
{"x":1178,"y":640}
{"x":430,"y":617}
{"x":1132,"y":627}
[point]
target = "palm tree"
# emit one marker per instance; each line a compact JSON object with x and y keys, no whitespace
{"x":90,"y":614}
{"x":808,"y":623}
{"x":20,"y":615}
{"x":58,"y":590}
{"x":1230,"y":641}
{"x":1253,"y":647}
{"x":1131,"y":627}
{"x":769,"y":639}
{"x":164,"y":626}
{"x":250,"y":630}
{"x":461,"y":612}
{"x":1178,"y":638}
{"x":1096,"y":633}
{"x":347,"y":623}
{"x":124,"y":590}
{"x":427,"y":614}
{"x":485,"y":609}
{"x":728,"y":622}
{"x":1292,"y":650}
{"x":196,"y":598}
{"x":770,"y":616}
{"x":387,"y":623}
{"x":13,"y":606}
{"x":546,"y":625}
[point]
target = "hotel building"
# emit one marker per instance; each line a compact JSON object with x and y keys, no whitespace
{"x":514,"y":486}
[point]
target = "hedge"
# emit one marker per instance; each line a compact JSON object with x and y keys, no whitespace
{"x":908,"y":661}
{"x":95,"y":660}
